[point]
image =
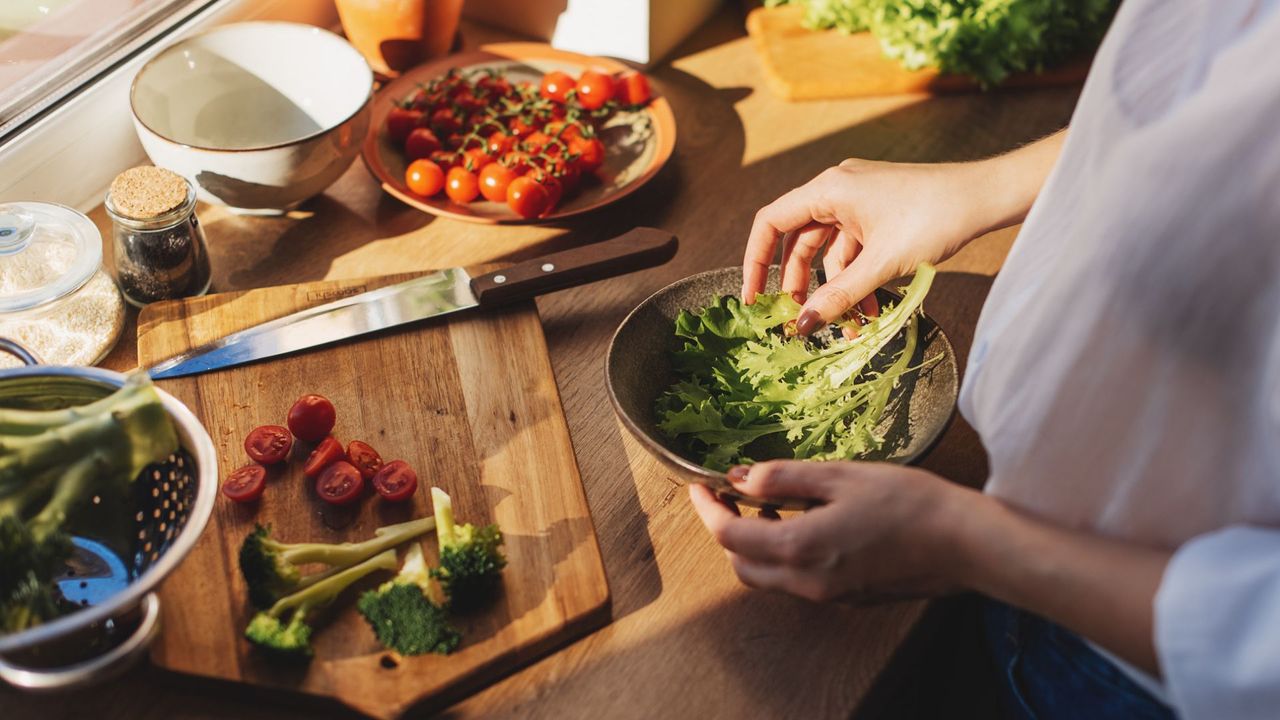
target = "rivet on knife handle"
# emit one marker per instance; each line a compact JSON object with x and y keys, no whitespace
{"x":637,"y":249}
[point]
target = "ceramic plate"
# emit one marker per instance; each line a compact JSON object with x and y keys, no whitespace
{"x":637,"y":144}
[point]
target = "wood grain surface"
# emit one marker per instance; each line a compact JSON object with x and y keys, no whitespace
{"x":469,"y":401}
{"x":687,"y":640}
{"x":804,"y":64}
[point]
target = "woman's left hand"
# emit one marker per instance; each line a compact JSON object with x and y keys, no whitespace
{"x":879,"y":531}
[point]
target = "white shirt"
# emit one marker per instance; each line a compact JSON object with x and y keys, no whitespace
{"x":1125,"y":372}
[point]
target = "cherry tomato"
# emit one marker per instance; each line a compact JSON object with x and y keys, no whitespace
{"x":446,"y":159}
{"x":445,"y":122}
{"x":340,"y":484}
{"x":594,"y":89}
{"x":534,"y":142}
{"x":420,"y":143}
{"x":461,"y":185}
{"x":396,"y":481}
{"x":312,"y":417}
{"x":268,"y":444}
{"x":556,"y":86}
{"x":364,"y":458}
{"x":527,"y":197}
{"x":401,"y":121}
{"x":566,"y":131}
{"x":632,"y":89}
{"x":520,"y":126}
{"x":498,"y":144}
{"x":554,"y":188}
{"x":424,"y":178}
{"x":494,"y":179}
{"x":328,"y":452}
{"x":245,"y":484}
{"x":517,"y":160}
{"x":590,"y":153}
{"x":475,"y":159}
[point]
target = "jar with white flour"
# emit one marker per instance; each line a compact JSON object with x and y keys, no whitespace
{"x":55,"y":298}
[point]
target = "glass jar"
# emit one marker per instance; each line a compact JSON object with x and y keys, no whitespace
{"x":55,"y":298}
{"x":159,"y":245}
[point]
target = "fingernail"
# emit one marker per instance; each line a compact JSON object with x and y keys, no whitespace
{"x":807,"y":322}
{"x":738,"y":473}
{"x":798,"y":297}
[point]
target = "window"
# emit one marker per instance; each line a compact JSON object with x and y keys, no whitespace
{"x":50,"y":48}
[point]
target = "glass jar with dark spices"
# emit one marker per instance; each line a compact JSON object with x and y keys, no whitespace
{"x":159,"y":245}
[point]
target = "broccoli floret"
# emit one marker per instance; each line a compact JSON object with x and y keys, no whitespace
{"x":271,"y":568}
{"x":290,"y":638}
{"x":471,"y":559}
{"x":51,"y":463}
{"x":406,"y":613}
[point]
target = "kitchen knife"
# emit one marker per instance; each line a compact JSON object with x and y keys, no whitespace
{"x":439,"y":293}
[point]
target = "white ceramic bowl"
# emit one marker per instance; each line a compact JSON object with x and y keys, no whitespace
{"x":259,"y":116}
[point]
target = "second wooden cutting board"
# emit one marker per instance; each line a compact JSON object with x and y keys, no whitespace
{"x":470,"y":401}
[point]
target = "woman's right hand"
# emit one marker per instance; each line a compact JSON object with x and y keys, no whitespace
{"x":876,"y":221}
{"x":871,"y":221}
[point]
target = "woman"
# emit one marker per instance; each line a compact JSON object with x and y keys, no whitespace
{"x":1124,"y":378}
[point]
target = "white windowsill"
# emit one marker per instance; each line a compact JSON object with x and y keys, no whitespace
{"x":70,"y":155}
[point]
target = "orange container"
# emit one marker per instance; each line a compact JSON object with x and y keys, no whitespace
{"x":395,"y":35}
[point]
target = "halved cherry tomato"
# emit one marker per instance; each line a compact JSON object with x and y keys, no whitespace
{"x":420,"y":143}
{"x":365,"y":458}
{"x":328,"y":452}
{"x":424,"y":177}
{"x":340,"y":484}
{"x":632,"y":89}
{"x":401,"y":121}
{"x":245,"y":484}
{"x":494,"y":179}
{"x":556,"y":86}
{"x":268,"y":444}
{"x":312,"y":417}
{"x":396,"y":481}
{"x":526,"y":197}
{"x":461,"y":185}
{"x":594,"y":89}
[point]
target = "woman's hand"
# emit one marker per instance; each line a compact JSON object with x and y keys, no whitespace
{"x":876,"y":221}
{"x":882,"y":531}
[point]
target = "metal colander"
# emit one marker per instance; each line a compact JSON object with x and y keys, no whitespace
{"x":122,"y":549}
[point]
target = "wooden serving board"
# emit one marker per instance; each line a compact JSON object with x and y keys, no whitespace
{"x":804,"y":64}
{"x":471,"y":403}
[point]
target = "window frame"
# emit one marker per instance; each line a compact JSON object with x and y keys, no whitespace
{"x":67,"y":150}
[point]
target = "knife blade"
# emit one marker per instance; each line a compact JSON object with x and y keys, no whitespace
{"x":434,"y":295}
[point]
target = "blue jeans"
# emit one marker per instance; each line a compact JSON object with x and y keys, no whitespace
{"x":1048,"y":673}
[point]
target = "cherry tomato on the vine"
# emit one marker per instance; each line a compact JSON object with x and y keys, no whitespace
{"x":632,"y":89}
{"x":424,"y":178}
{"x":594,"y":89}
{"x":401,"y":121}
{"x":556,"y":86}
{"x":590,"y":152}
{"x":420,"y":143}
{"x":527,"y":197}
{"x":461,"y":185}
{"x":494,"y":179}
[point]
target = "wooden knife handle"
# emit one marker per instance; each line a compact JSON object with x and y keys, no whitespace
{"x":641,"y":248}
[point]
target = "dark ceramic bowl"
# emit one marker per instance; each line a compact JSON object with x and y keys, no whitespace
{"x":638,"y":369}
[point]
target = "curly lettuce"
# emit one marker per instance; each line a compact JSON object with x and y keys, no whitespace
{"x":746,"y":390}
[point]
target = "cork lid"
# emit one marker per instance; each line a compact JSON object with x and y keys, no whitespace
{"x":147,"y":192}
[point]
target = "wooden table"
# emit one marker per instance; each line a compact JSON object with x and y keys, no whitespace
{"x":686,"y":639}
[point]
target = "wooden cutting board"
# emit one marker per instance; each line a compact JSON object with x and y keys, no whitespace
{"x":468,"y":401}
{"x":804,"y":64}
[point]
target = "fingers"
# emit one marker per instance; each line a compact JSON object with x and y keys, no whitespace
{"x":786,"y":479}
{"x":809,"y":241}
{"x":841,"y":293}
{"x":788,"y":213}
{"x":840,"y":253}
{"x":756,"y":538}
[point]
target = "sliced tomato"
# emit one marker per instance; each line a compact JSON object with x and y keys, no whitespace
{"x":268,"y":444}
{"x":396,"y":481}
{"x":312,"y":417}
{"x":340,"y":484}
{"x":245,"y":484}
{"x":328,"y":452}
{"x":365,"y":458}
